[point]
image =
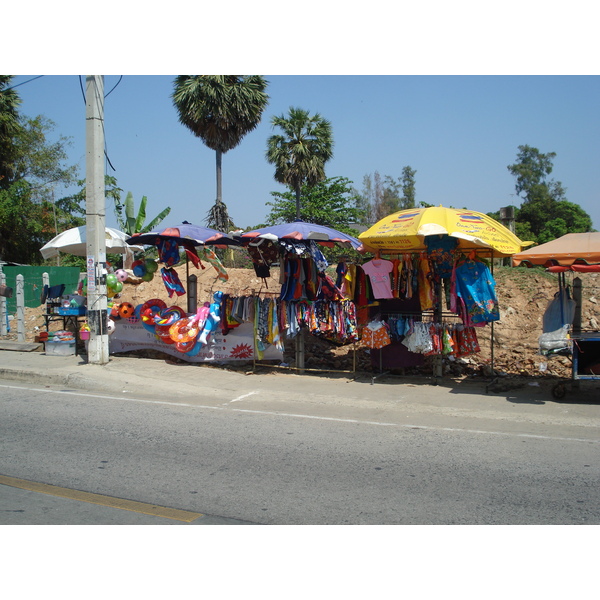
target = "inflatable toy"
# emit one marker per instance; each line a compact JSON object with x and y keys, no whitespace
{"x":213,"y":318}
{"x":125,"y":310}
{"x":149,"y":309}
{"x":121,"y":275}
{"x":138,"y":267}
{"x":185,"y":331}
{"x":151,"y":265}
{"x":111,"y":280}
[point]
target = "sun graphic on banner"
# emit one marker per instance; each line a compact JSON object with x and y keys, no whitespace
{"x":241,"y":351}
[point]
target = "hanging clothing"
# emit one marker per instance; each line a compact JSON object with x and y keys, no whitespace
{"x":425,"y":286}
{"x":375,"y":335}
{"x":209,"y":256}
{"x":379,"y":272}
{"x":172,"y":282}
{"x":476,"y":286}
{"x":168,"y":252}
{"x":263,"y":254}
{"x":440,"y":249}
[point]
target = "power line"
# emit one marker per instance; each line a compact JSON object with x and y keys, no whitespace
{"x":24,"y":82}
{"x":84,"y":101}
{"x":116,"y":84}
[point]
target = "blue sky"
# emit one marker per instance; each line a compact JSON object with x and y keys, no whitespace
{"x":458,"y":132}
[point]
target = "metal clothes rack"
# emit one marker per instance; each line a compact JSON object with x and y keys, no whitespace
{"x":437,"y":312}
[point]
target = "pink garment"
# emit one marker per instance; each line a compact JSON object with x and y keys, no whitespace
{"x":379,"y":271}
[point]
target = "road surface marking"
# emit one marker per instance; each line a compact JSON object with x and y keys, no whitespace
{"x":314,"y":417}
{"x":243,"y":396}
{"x":109,"y":501}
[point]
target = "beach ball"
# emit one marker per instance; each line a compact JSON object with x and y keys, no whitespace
{"x":126,"y":310}
{"x":139,"y":268}
{"x":151,"y":265}
{"x":111,"y":280}
{"x":110,"y":326}
{"x":148,"y":276}
{"x":121,"y":275}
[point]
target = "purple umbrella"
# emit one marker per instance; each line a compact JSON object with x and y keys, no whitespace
{"x":182,"y":234}
{"x":302,"y":231}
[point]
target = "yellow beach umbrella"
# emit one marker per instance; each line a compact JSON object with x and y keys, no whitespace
{"x":406,"y":230}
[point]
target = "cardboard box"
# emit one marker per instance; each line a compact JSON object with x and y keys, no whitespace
{"x":60,"y":348}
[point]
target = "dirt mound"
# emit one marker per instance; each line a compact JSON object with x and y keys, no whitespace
{"x":523,"y":295}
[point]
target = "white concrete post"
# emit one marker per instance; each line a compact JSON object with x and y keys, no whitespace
{"x":3,"y":310}
{"x":95,"y":221}
{"x":20,"y":308}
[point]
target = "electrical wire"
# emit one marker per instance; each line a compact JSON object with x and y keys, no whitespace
{"x":103,"y":131}
{"x":24,"y":82}
{"x":116,"y":84}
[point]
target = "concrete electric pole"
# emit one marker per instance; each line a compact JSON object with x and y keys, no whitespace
{"x":95,"y":204}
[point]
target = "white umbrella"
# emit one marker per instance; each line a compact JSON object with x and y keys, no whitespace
{"x":72,"y":241}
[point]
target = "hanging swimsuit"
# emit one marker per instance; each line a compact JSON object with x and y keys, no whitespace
{"x":172,"y":282}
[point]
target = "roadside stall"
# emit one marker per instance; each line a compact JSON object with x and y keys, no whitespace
{"x":433,"y":278}
{"x":197,"y":331}
{"x":70,"y":309}
{"x":308,"y":299}
{"x":563,"y":331}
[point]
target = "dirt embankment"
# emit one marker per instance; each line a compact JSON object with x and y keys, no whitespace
{"x":523,"y":295}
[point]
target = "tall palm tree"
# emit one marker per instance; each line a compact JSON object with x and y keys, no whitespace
{"x":9,"y":126}
{"x":300,"y":154}
{"x":221,"y":110}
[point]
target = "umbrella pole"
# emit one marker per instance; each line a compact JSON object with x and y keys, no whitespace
{"x":492,"y":323}
{"x":300,"y":351}
{"x":437,"y":318}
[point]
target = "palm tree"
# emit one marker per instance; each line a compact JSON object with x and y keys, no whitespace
{"x":300,"y":154}
{"x":9,"y":126}
{"x":221,"y":110}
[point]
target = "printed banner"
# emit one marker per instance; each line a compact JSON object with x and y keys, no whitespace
{"x":238,"y":344}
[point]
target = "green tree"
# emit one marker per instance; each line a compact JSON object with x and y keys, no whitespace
{"x":545,"y":213}
{"x":221,"y":110}
{"x":301,"y":151}
{"x":29,"y":209}
{"x":40,"y":161}
{"x":9,"y":127}
{"x":331,"y":202}
{"x":21,"y":227}
{"x":382,"y":197}
{"x":408,"y":187}
{"x":530,"y":172}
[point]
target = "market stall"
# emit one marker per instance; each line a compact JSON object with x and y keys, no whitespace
{"x":308,"y":299}
{"x":196,"y":332}
{"x":70,"y":309}
{"x":563,"y":333}
{"x":433,"y":278}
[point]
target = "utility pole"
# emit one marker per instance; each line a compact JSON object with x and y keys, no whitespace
{"x":95,"y":209}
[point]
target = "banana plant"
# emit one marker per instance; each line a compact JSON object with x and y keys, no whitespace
{"x":131,"y":224}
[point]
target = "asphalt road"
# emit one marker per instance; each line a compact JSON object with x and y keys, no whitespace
{"x":257,"y":460}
